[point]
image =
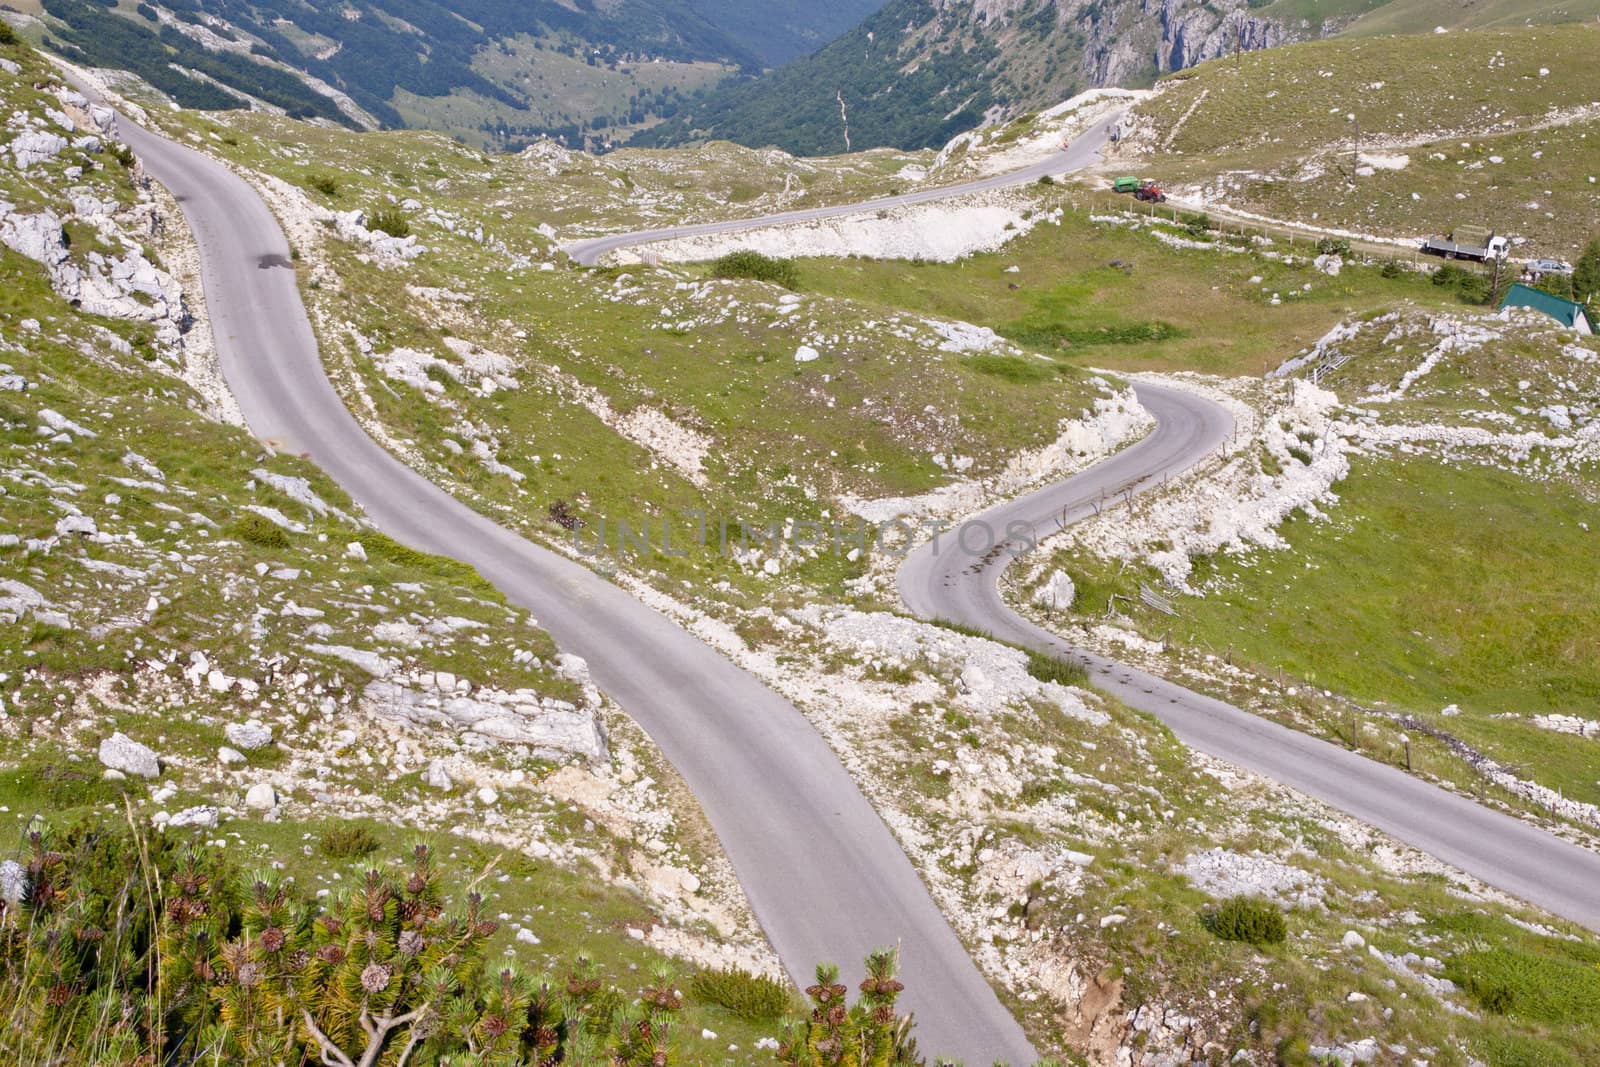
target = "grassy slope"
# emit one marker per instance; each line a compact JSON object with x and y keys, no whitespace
{"x":1433,"y":585}
{"x":1372,"y":17}
{"x":1470,"y":97}
{"x":1421,"y":16}
{"x":557,"y":90}
{"x":1155,"y":808}
{"x":1070,"y":301}
{"x":180,"y":544}
{"x":1463,"y":581}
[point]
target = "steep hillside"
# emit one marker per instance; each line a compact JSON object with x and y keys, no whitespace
{"x":1423,"y":16}
{"x":1492,"y":127}
{"x":492,"y":73}
{"x":777,"y":31}
{"x":201,"y":639}
{"x":920,"y":71}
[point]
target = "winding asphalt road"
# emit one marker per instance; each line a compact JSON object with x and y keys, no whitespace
{"x":1083,"y":151}
{"x":944,"y":580}
{"x":826,"y":878}
{"x":948,"y":580}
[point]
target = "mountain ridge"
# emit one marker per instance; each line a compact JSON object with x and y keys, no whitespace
{"x":920,"y":71}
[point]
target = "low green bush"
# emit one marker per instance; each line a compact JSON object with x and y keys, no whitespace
{"x":325,"y":184}
{"x":381,"y":547}
{"x":1250,"y":920}
{"x":122,"y":948}
{"x":746,"y":995}
{"x":750,"y":264}
{"x":1051,"y":335}
{"x":259,"y":530}
{"x":1469,"y":286}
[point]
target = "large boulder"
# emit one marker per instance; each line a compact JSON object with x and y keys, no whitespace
{"x":1057,"y":593}
{"x":261,"y":797}
{"x":119,"y":752}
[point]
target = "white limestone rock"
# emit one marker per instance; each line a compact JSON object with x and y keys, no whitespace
{"x":204,"y":816}
{"x":13,"y":882}
{"x":1057,"y":593}
{"x":248,"y":736}
{"x":437,"y":777}
{"x":119,"y":752}
{"x":261,"y":797}
{"x":32,"y":147}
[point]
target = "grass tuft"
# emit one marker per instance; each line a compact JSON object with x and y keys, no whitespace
{"x":351,"y":841}
{"x":1055,"y":669}
{"x":390,"y":220}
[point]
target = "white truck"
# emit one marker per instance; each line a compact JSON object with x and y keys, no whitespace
{"x":1469,"y":242}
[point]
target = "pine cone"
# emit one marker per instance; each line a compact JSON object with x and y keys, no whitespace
{"x":375,"y":979}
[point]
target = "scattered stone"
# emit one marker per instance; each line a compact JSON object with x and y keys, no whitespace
{"x":1224,"y":873}
{"x":230,"y":756}
{"x":355,"y":551}
{"x":248,"y":736}
{"x":488,"y":797}
{"x":1353,"y":940}
{"x":436,"y":777}
{"x":204,"y":816}
{"x":76,"y":526}
{"x":13,"y":882}
{"x":119,"y":752}
{"x":261,"y":797}
{"x":523,"y":718}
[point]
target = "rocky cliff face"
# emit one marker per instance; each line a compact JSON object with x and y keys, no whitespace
{"x":1161,"y":36}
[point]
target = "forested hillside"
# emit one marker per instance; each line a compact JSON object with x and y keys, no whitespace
{"x":776,"y":31}
{"x":920,"y":71}
{"x":494,"y":73}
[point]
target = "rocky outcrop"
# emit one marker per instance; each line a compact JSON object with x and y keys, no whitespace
{"x":492,"y":716}
{"x":121,"y":287}
{"x":1192,"y":32}
{"x":352,"y":227}
{"x":1168,"y":35}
